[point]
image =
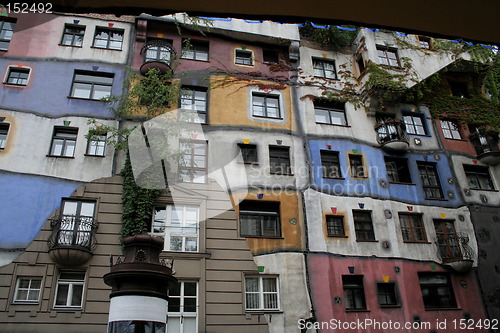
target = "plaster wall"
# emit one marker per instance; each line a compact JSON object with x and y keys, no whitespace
{"x":27,"y":149}
{"x":386,"y":229}
{"x":463,"y":145}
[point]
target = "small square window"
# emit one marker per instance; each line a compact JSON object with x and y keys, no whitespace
{"x":91,"y":85}
{"x":28,"y":290}
{"x":249,"y":153}
{"x":425,"y":42}
{"x":194,"y":50}
{"x":354,"y":292}
{"x":106,"y":38}
{"x":265,"y":105}
{"x":414,"y":124}
{"x":270,"y":56}
{"x":437,"y":291}
{"x":357,"y":166}
{"x":279,"y":158}
{"x":330,"y":165}
{"x":459,"y":89}
{"x":261,"y":293}
{"x":243,"y":57}
{"x":63,"y":141}
{"x":96,"y":145}
{"x":412,"y":227}
{"x":260,"y":219}
{"x":324,"y":68}
{"x":387,"y":295}
{"x":363,"y":226}
{"x":179,"y":225}
{"x":7,"y":26}
{"x":397,"y":170}
{"x":330,"y":112}
{"x":335,"y":225}
{"x":478,"y":177}
{"x":387,"y":56}
{"x":430,"y":180}
{"x":18,"y":76}
{"x":69,"y":290}
{"x":450,"y":129}
{"x":73,"y":35}
{"x":4,"y":132}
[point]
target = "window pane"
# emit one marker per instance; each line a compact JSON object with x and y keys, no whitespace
{"x":76,"y":299}
{"x":174,"y":305}
{"x":62,"y":294}
{"x":81,"y":90}
{"x":252,"y":301}
{"x":189,"y":304}
{"x":269,"y":284}
{"x":189,"y":289}
{"x":101,"y":91}
{"x":270,"y":301}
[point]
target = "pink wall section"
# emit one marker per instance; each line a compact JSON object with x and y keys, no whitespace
{"x":326,"y":283}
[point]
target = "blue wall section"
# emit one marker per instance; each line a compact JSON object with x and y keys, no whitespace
{"x":50,"y":85}
{"x":27,"y":201}
{"x":377,"y":171}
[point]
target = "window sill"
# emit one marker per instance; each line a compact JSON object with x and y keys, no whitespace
{"x":265,"y":237}
{"x":184,"y":255}
{"x":451,"y":139}
{"x":340,"y":178}
{"x":78,"y":47}
{"x":355,"y":310}
{"x":327,"y":78}
{"x":59,"y":156}
{"x":249,"y":163}
{"x":421,"y":135}
{"x":90,"y":155}
{"x":262,"y":311}
{"x":264,"y":117}
{"x":367,"y":240}
{"x":359,"y":178}
{"x":436,"y":199}
{"x":15,"y":85}
{"x":25,"y":303}
{"x":337,"y":125}
{"x":396,"y":306}
{"x":483,"y":189}
{"x":443,"y":309}
{"x":402,"y":183}
{"x":416,"y":242}
{"x":84,"y":99}
{"x":196,"y":59}
{"x":105,"y":48}
{"x":244,"y":65}
{"x":281,"y":174}
{"x":67,"y":309}
{"x":338,"y":236}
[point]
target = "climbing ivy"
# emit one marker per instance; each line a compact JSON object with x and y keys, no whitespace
{"x":332,"y":37}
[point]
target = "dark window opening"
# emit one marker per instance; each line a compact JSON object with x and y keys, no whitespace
{"x":260,"y":219}
{"x":354,"y":293}
{"x":397,"y":170}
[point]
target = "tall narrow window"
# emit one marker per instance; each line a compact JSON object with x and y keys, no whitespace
{"x":183,"y":308}
{"x":412,"y":227}
{"x":260,"y":219}
{"x":18,"y":76}
{"x":414,"y":124}
{"x":76,"y":224}
{"x":195,"y":99}
{"x":397,"y":170}
{"x":279,"y":158}
{"x":4,"y":131}
{"x":107,"y":38}
{"x":430,"y":180}
{"x":64,"y":141}
{"x":330,"y":112}
{"x":357,"y":166}
{"x":243,"y":57}
{"x":28,"y":290}
{"x":387,"y":56}
{"x":335,"y":225}
{"x":478,"y":177}
{"x":450,"y":129}
{"x":96,"y":145}
{"x":437,"y":291}
{"x":261,"y":293}
{"x":264,"y":105}
{"x":73,"y":35}
{"x":7,"y":26}
{"x":363,"y":225}
{"x":194,"y":50}
{"x":179,"y":225}
{"x":324,"y":68}
{"x":330,"y":165}
{"x":69,"y":290}
{"x":387,"y":296}
{"x":91,"y":85}
{"x":354,"y":293}
{"x":448,"y":240}
{"x":193,"y":164}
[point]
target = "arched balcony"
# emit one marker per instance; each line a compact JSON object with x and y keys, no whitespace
{"x":159,"y":54}
{"x":392,"y":137}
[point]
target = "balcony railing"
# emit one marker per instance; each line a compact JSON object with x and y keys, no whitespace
{"x":392,"y":135}
{"x":158,"y":54}
{"x":486,"y":145}
{"x":454,"y":250}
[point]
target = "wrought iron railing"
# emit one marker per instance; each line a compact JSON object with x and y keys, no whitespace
{"x":484,"y":142}
{"x":391,"y":131}
{"x":73,"y":231}
{"x":452,"y":247}
{"x":158,"y":50}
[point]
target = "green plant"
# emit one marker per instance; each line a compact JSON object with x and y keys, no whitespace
{"x":331,"y":37}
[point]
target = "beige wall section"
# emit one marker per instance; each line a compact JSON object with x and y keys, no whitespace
{"x":42,"y":317}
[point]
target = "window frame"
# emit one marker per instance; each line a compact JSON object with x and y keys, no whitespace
{"x":429,"y":171}
{"x":449,"y":132}
{"x":108,"y":40}
{"x":447,"y":239}
{"x":192,"y":92}
{"x":437,"y":301}
{"x":411,"y":219}
{"x":56,"y":135}
{"x":260,"y":293}
{"x":3,"y":32}
{"x":257,"y":212}
{"x":411,"y":127}
{"x":329,"y":161}
{"x":95,"y":143}
{"x":385,"y":59}
{"x":192,"y":169}
{"x":363,"y":234}
{"x":400,"y":170}
{"x":319,"y":65}
{"x":475,"y":171}
{"x":4,"y":134}
{"x":76,"y":229}
{"x":424,"y":42}
{"x":181,"y":314}
{"x":24,"y":71}
{"x":29,"y":289}
{"x":281,"y":154}
{"x":354,"y":289}
{"x":197,"y":47}
{"x":73,"y":35}
{"x":252,"y":158}
{"x":333,"y":108}
{"x":392,"y":293}
{"x":266,"y":106}
{"x":159,"y":46}
{"x":245,"y":57}
{"x":91,"y":84}
{"x":70,"y":292}
{"x":335,"y":226}
{"x":357,"y":168}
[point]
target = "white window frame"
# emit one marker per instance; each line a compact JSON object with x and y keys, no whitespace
{"x":252,"y":57}
{"x":165,"y":230}
{"x":261,"y":293}
{"x":190,"y":95}
{"x":71,"y":283}
{"x":320,"y":69}
{"x":91,"y":83}
{"x":22,"y":68}
{"x":451,"y":129}
{"x":96,"y":145}
{"x":29,"y":289}
{"x":3,"y":137}
{"x":182,"y":314}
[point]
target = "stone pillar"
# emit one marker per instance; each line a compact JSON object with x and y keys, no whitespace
{"x":139,"y":287}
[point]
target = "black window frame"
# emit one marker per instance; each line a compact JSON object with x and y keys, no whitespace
{"x":476,"y":173}
{"x":199,"y":48}
{"x":73,"y":35}
{"x":193,"y":90}
{"x":333,"y":108}
{"x":330,"y":164}
{"x":411,"y":126}
{"x":397,"y":170}
{"x":427,"y":172}
{"x":109,"y":38}
{"x":319,"y":65}
{"x":21,"y":77}
{"x":76,"y":230}
{"x":192,"y":169}
{"x":354,"y":292}
{"x":280,"y":154}
{"x":66,"y":135}
{"x":263,"y":213}
{"x":449,"y":132}
{"x":249,"y":153}
{"x":385,"y":59}
{"x":387,"y":295}
{"x":410,"y":223}
{"x":243,"y":57}
{"x":363,"y":225}
{"x":5,"y":37}
{"x":335,"y":226}
{"x":266,"y":106}
{"x":4,"y":134}
{"x":437,"y":295}
{"x":78,"y":80}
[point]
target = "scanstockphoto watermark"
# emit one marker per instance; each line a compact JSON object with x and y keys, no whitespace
{"x":363,"y":324}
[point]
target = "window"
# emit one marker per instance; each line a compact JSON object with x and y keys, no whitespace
{"x":193,"y":168}
{"x":330,"y":164}
{"x":447,"y":240}
{"x":28,"y":290}
{"x":387,"y":56}
{"x":91,"y":85}
{"x":76,"y":224}
{"x":243,"y":57}
{"x":106,"y":38}
{"x":179,"y":225}
{"x":387,"y":295}
{"x":264,"y":105}
{"x":412,"y":227}
{"x":335,"y":225}
{"x":450,"y":129}
{"x":361,"y":64}
{"x":330,"y":112}
{"x":324,"y":68}
{"x":459,"y":89}
{"x":4,"y":131}
{"x":6,"y":31}
{"x":63,"y":141}
{"x":195,"y":50}
{"x":96,"y":145}
{"x":437,"y":291}
{"x":18,"y":76}
{"x":261,"y":293}
{"x":249,"y":153}
{"x":414,"y":124}
{"x":354,"y":293}
{"x":478,"y":177}
{"x":69,"y":290}
{"x":183,"y":308}
{"x":279,"y":158}
{"x":425,"y":42}
{"x":158,"y":50}
{"x":357,"y":167}
{"x":195,"y":99}
{"x":73,"y":35}
{"x":397,"y":170}
{"x":270,"y":56}
{"x":260,"y":219}
{"x":363,"y":225}
{"x":430,"y":180}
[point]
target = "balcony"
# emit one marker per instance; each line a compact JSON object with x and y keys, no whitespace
{"x":392,"y":137}
{"x":486,"y":145}
{"x":158,"y":54}
{"x":455,"y":252}
{"x":72,"y":240}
